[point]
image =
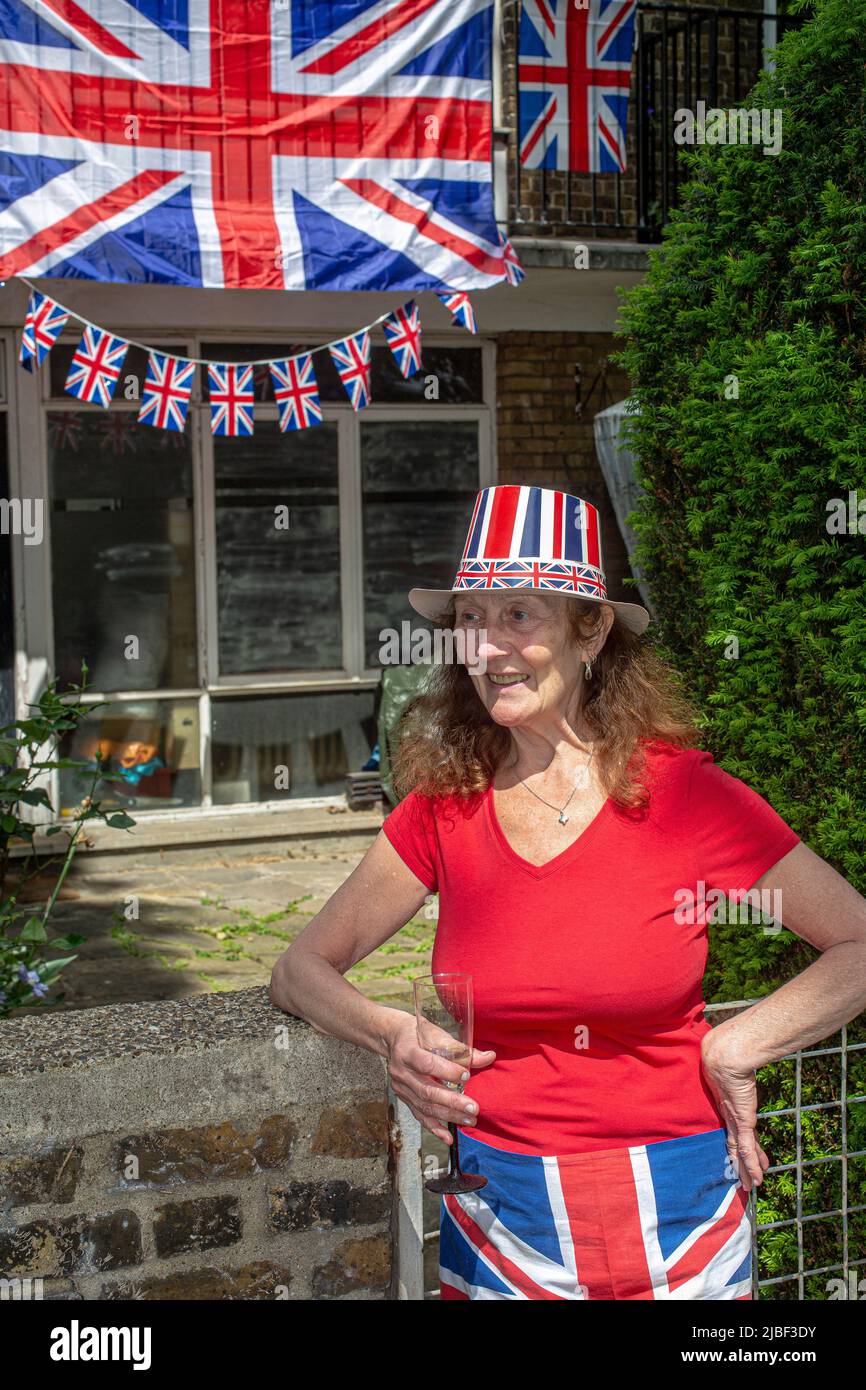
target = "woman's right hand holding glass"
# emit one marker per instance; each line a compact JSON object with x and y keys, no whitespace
{"x":421,"y":1079}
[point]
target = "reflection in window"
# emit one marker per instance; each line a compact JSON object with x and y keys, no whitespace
{"x":420,"y":480}
{"x":121,"y":551}
{"x":274,"y":748}
{"x":457,"y":372}
{"x":278,"y":590}
{"x":152,"y":746}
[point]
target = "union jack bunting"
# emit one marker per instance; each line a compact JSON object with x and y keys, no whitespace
{"x":296,"y":393}
{"x":290,"y":144}
{"x":533,"y":537}
{"x":403,"y":332}
{"x":166,"y":392}
{"x":574,"y":73}
{"x":44,"y":321}
{"x":666,"y":1220}
{"x":230,"y":386}
{"x":353,"y":362}
{"x":96,"y":367}
{"x":461,"y":310}
{"x":514,"y":271}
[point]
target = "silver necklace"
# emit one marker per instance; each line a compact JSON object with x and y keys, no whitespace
{"x":563,"y":818}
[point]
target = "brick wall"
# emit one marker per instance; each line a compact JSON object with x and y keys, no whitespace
{"x":540,"y":438}
{"x":210,"y":1148}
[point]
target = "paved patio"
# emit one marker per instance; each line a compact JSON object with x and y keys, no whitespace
{"x":164,"y":924}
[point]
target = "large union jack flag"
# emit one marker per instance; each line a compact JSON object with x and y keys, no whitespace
{"x":574,"y":72}
{"x":300,"y":144}
{"x":665,"y":1220}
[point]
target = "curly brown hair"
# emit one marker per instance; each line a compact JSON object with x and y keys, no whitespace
{"x":448,"y":744}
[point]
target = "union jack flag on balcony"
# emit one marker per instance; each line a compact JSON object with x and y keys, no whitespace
{"x":96,"y":367}
{"x":574,"y":73}
{"x":403,"y":332}
{"x":44,"y":321}
{"x":296,"y":393}
{"x":353,"y":362}
{"x":166,"y":392}
{"x":297,"y":144}
{"x":230,"y":386}
{"x":461,"y":310}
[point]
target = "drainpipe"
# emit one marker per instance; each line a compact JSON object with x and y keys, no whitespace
{"x":500,"y":133}
{"x":771,"y":37}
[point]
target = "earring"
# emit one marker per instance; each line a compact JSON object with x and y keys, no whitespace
{"x":588,"y":670}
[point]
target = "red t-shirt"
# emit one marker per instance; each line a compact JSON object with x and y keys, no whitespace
{"x":587,"y":970}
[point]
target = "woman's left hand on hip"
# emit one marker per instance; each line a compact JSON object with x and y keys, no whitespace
{"x":736,"y":1093}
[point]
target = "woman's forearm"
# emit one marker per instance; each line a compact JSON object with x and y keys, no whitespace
{"x":307,"y":985}
{"x":815,"y":1004}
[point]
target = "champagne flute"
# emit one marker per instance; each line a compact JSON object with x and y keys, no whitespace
{"x":444,"y":1017}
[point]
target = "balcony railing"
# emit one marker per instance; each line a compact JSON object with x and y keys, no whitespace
{"x":685,"y":54}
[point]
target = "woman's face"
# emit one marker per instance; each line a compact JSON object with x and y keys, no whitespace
{"x":532,"y":659}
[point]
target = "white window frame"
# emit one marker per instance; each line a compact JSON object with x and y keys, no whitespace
{"x":32,"y":579}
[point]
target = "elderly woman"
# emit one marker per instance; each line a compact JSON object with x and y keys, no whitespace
{"x":561,"y":810}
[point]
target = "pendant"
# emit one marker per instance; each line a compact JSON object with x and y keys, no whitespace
{"x":563,"y":818}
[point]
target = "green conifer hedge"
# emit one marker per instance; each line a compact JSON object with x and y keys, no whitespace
{"x":746,"y":348}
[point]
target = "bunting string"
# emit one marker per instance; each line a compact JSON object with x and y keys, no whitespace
{"x":97,"y":364}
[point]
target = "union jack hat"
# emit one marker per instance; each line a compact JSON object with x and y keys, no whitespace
{"x":531,"y":538}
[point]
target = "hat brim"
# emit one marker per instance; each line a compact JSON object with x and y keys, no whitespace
{"x":433,"y":603}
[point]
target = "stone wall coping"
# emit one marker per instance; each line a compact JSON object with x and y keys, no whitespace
{"x":176,"y":1063}
{"x":76,"y":1038}
{"x":558,"y":252}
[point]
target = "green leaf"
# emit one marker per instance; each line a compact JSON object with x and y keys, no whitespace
{"x":120,"y":820}
{"x":48,"y":970}
{"x":33,"y":930}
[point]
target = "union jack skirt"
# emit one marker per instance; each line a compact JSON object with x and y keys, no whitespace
{"x":661,"y":1220}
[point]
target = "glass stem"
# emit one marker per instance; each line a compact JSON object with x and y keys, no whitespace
{"x":453,"y":1155}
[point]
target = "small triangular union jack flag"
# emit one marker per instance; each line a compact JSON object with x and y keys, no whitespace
{"x":296,"y":393}
{"x":44,"y":321}
{"x":353,"y":362}
{"x":460,"y":308}
{"x":166,"y":392}
{"x":514,"y":271}
{"x":96,"y":367}
{"x":230,"y":385}
{"x":403,"y":332}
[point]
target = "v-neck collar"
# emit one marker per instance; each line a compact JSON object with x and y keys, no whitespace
{"x":558,"y":861}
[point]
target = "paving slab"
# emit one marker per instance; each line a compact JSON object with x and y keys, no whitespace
{"x":166,"y":925}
